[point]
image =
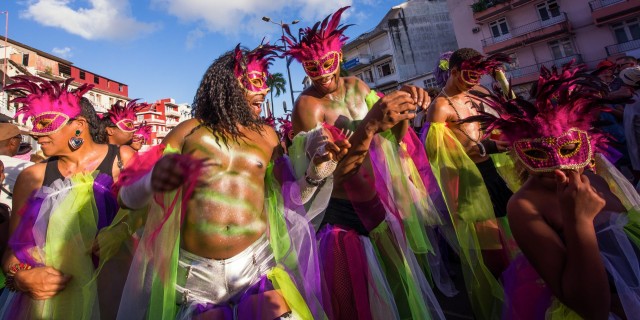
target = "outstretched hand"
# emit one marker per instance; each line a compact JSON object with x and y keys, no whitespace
{"x":41,"y":283}
{"x":171,"y":171}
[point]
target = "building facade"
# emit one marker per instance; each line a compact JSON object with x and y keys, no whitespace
{"x":539,"y":33}
{"x":404,"y":47}
{"x":163,"y":115}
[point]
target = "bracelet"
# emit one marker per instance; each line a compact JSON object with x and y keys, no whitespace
{"x":314,"y":182}
{"x":18,"y":267}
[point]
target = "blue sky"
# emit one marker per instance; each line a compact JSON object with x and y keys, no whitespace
{"x":161,"y":48}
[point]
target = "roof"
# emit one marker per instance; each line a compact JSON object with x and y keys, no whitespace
{"x":377,"y":30}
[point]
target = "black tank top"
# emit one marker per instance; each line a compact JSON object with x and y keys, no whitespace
{"x":52,"y":173}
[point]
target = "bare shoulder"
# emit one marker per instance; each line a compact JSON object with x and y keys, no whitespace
{"x":522,"y":210}
{"x":34,"y":172}
{"x":439,"y":111}
{"x":176,"y":137}
{"x":270,"y":135}
{"x":355,"y":82}
{"x":307,"y":112}
{"x":126,"y":153}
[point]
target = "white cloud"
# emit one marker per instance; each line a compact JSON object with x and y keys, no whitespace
{"x":101,"y":19}
{"x":243,"y":16}
{"x":193,"y":37}
{"x":64,"y":53}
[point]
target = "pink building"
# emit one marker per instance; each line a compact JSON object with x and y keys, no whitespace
{"x":548,"y":32}
{"x":163,"y":115}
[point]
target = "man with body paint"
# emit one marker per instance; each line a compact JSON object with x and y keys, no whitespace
{"x":469,"y":171}
{"x":206,"y":251}
{"x":368,"y":267}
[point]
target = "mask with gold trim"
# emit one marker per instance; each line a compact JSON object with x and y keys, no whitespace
{"x":142,"y":133}
{"x":49,"y":104}
{"x":319,"y":47}
{"x":555,"y":131}
{"x":473,"y":69}
{"x":251,"y":68}
{"x":124,"y":117}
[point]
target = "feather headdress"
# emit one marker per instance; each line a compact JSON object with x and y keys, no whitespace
{"x":251,"y":68}
{"x":124,"y":117}
{"x":566,"y":104}
{"x":49,"y":104}
{"x":143,"y":132}
{"x":319,"y":47}
{"x":286,"y":127}
{"x":474,"y":68}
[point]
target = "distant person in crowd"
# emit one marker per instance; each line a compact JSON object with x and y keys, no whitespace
{"x":605,"y":71}
{"x":631,"y":118}
{"x":38,"y":156}
{"x":10,"y":140}
{"x":119,"y":123}
{"x":621,"y":64}
{"x":141,"y":136}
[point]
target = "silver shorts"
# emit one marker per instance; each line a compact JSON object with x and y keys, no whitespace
{"x":202,"y":280}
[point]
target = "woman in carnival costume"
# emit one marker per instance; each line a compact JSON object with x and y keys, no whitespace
{"x":575,"y":218}
{"x":119,"y":123}
{"x":223,"y":238}
{"x":370,"y":215}
{"x":60,"y":205}
{"x":141,"y":136}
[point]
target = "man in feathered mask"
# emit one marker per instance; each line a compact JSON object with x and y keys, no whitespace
{"x":476,"y":194}
{"x":141,"y":136}
{"x":575,"y":217}
{"x":353,"y":210}
{"x":223,"y":245}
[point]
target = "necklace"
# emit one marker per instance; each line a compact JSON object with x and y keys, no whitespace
{"x":481,"y":148}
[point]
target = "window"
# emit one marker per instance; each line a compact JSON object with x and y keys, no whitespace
{"x":82,"y":75}
{"x":561,"y":48}
{"x":25,"y":59}
{"x":430,"y":83}
{"x":386,"y":69}
{"x":120,"y":87}
{"x":499,"y":28}
{"x":65,"y":71}
{"x":626,"y":31}
{"x":548,"y":10}
{"x":367,"y":76}
{"x":96,"y":79}
{"x":112,"y":101}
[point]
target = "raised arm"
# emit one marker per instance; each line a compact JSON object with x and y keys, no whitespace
{"x":573,"y":269}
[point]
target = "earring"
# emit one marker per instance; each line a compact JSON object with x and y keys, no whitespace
{"x":76,"y":142}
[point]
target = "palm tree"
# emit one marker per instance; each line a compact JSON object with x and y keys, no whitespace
{"x":277,"y":83}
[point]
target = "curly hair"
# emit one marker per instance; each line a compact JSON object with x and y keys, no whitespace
{"x":461,"y":55}
{"x":220,"y":103}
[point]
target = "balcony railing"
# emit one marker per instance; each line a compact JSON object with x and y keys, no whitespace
{"x":535,"y":69}
{"x":484,"y":10}
{"x":170,"y":112}
{"x":599,"y":4}
{"x":161,"y":134}
{"x":525,"y":29}
{"x":623,"y":47}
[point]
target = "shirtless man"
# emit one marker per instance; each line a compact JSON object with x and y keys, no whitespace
{"x":570,"y":223}
{"x":474,"y":191}
{"x":225,"y":260}
{"x":354,"y":216}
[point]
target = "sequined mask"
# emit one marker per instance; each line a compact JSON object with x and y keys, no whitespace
{"x":571,"y":150}
{"x":126,"y":125}
{"x":327,"y":65}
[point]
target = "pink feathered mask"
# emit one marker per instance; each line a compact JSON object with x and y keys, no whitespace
{"x":556,"y":131}
{"x":49,"y":104}
{"x":319,"y":48}
{"x":473,"y":69}
{"x":143,"y":132}
{"x":124,"y":117}
{"x":251,"y":68}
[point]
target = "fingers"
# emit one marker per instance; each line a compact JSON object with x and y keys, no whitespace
{"x":561,"y":178}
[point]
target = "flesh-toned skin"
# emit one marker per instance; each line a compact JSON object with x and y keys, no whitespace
{"x":458,"y":92}
{"x":45,"y":282}
{"x":552,"y":219}
{"x":226,"y":212}
{"x":119,"y":137}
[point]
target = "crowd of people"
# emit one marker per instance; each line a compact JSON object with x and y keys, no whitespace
{"x":342,"y":211}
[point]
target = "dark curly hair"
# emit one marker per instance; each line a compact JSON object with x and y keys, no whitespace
{"x":220,"y":103}
{"x":461,"y":55}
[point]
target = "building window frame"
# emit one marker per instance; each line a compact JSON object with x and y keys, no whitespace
{"x":500,"y":29}
{"x":82,"y":75}
{"x":96,"y":79}
{"x":630,"y":29}
{"x":385,"y":68}
{"x":562,"y":46}
{"x":550,"y":8}
{"x":429,"y":83}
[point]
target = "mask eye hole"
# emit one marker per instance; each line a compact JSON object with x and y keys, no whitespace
{"x":257,"y":82}
{"x":327,"y":64}
{"x":536,"y":154}
{"x":44,"y":123}
{"x":570,"y":148}
{"x":311,"y":68}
